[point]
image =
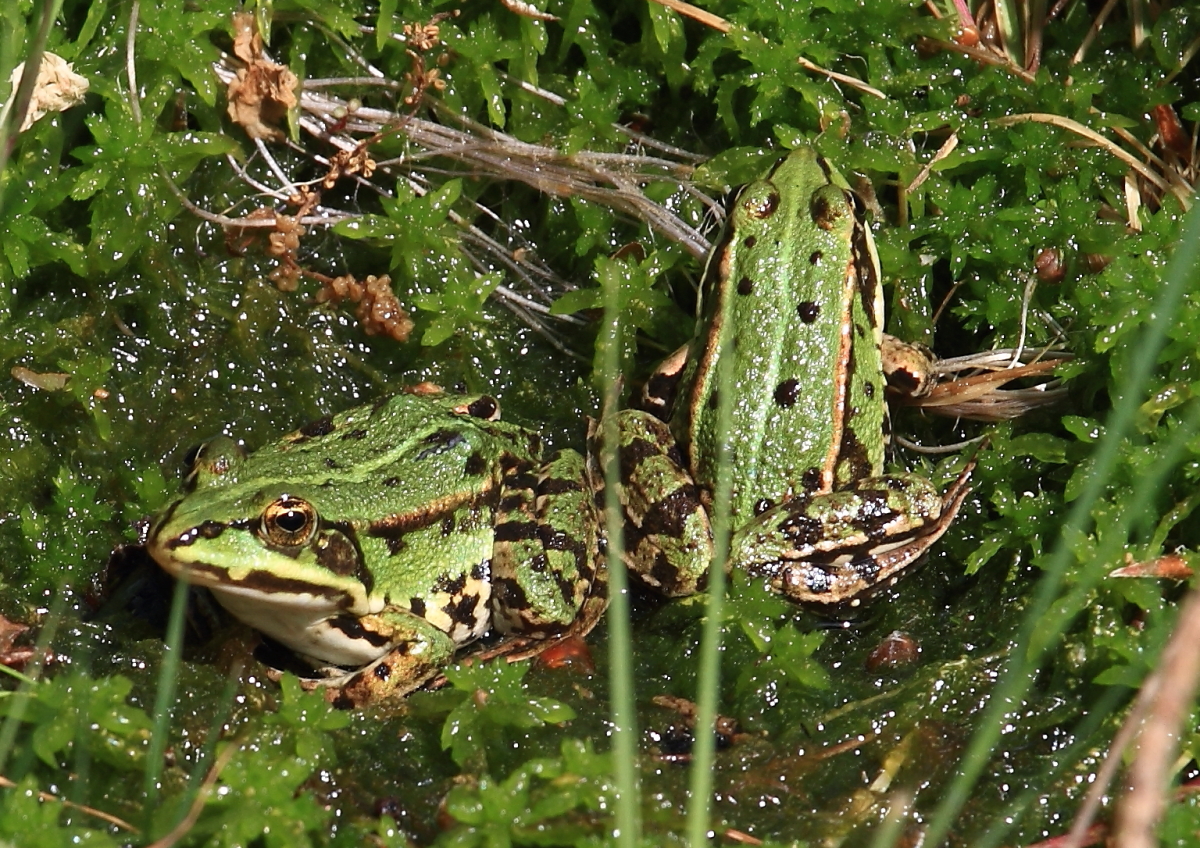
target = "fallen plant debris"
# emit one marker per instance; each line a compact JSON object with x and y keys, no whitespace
{"x":56,"y":89}
{"x":378,"y":309}
{"x":1169,"y":566}
{"x":261,"y":92}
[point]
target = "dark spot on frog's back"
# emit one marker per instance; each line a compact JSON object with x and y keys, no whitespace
{"x":637,"y":450}
{"x":567,"y":590}
{"x":815,"y":257}
{"x":484,"y":407}
{"x":819,"y":209}
{"x":824,"y":213}
{"x":801,"y":530}
{"x":811,"y":479}
{"x":355,"y":435}
{"x":447,"y":525}
{"x":853,"y":453}
{"x":749,"y":241}
{"x":417,"y":607}
{"x":556,"y":540}
{"x":875,"y":512}
{"x":634,"y":453}
{"x":320,"y":427}
{"x":809,"y":311}
{"x":745,"y":286}
{"x":511,"y":503}
{"x":662,"y":573}
{"x":786,"y":393}
{"x":511,"y":463}
{"x":475,"y":465}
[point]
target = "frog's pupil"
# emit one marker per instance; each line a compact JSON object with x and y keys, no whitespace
{"x":291,"y":521}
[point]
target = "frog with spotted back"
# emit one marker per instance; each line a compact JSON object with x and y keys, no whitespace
{"x":791,"y":296}
{"x":382,"y":540}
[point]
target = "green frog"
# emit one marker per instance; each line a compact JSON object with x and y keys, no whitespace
{"x":384,"y":538}
{"x":791,"y":295}
{"x":381,"y":540}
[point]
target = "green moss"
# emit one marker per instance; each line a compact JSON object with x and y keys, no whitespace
{"x":170,"y":330}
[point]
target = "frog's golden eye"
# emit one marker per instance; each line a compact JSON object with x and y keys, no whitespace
{"x":288,"y":522}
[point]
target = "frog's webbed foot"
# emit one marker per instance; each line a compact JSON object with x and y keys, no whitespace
{"x":394,"y":675}
{"x":837,"y":548}
{"x":386,"y":678}
{"x":418,"y":652}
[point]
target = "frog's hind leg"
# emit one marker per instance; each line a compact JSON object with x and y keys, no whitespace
{"x":668,"y":538}
{"x":547,"y":569}
{"x":839,"y":547}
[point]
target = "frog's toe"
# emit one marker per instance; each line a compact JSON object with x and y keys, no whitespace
{"x":393,"y":675}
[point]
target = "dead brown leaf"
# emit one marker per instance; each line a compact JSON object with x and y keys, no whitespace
{"x":263,"y":91}
{"x":1171,"y":566}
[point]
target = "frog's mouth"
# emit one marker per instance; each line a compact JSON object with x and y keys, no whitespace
{"x":319,"y":622}
{"x":261,"y":585}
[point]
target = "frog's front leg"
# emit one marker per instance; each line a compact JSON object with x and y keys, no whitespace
{"x":837,"y":547}
{"x":668,"y":539}
{"x":547,"y":572}
{"x":419,"y":652}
